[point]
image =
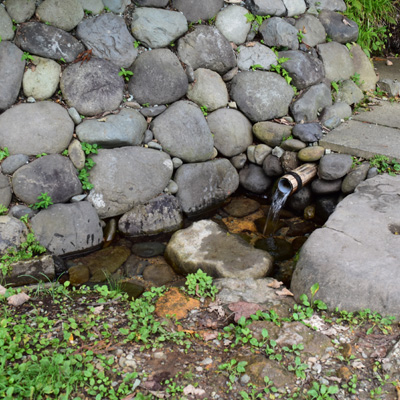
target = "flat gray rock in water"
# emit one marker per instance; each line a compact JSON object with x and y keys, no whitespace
{"x":65,"y":15}
{"x":194,"y":10}
{"x":355,"y":257}
{"x":207,"y":246}
{"x":49,"y":130}
{"x":311,"y":102}
{"x":92,"y":87}
{"x":109,"y":38}
{"x":157,"y":28}
{"x":160,"y":215}
{"x":183,"y":132}
{"x":231,"y":130}
{"x":126,"y":177}
{"x":158,"y":78}
{"x":126,"y":128}
{"x":261,"y":95}
{"x":206,"y":47}
{"x":304,"y":69}
{"x":68,"y":228}
{"x":337,"y":61}
{"x":53,"y":174}
{"x":219,"y":177}
{"x":48,"y":41}
{"x":11,"y":72}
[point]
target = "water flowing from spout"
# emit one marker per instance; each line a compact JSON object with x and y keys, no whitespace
{"x":278,"y":201}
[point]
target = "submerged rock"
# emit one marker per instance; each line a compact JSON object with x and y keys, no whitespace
{"x":207,"y":246}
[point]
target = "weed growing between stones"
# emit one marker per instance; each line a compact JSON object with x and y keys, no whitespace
{"x":125,"y":73}
{"x":372,"y":18}
{"x":26,"y":250}
{"x":26,"y":56}
{"x":4,"y":153}
{"x":200,"y":284}
{"x":44,"y":201}
{"x":89,"y":164}
{"x":256,"y":20}
{"x":383,"y":164}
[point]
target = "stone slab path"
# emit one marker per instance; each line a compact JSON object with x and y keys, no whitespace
{"x":373,"y":132}
{"x":368,"y":133}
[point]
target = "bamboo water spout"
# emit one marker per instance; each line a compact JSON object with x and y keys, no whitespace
{"x":296,"y":179}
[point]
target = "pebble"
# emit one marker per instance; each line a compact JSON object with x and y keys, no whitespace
{"x":278,"y":152}
{"x":176,"y":162}
{"x":154,"y":145}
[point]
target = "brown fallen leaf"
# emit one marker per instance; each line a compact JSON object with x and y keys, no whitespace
{"x":18,"y":299}
{"x":98,"y":310}
{"x":284,"y":292}
{"x":250,"y":44}
{"x":209,"y":335}
{"x":275,"y":284}
{"x":398,"y":392}
{"x":244,"y":309}
{"x":388,"y":62}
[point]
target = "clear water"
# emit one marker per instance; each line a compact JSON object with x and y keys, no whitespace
{"x":278,"y":201}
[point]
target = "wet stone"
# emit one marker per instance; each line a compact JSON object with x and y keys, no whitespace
{"x":272,"y":166}
{"x":78,"y":274}
{"x":320,"y":186}
{"x":277,"y":247}
{"x":254,"y":179}
{"x":48,"y":41}
{"x":159,"y":273}
{"x":149,"y":249}
{"x":132,"y":288}
{"x":241,"y":207}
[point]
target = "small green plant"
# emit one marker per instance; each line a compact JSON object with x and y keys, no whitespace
{"x":204,"y":110}
{"x":65,"y":153}
{"x":44,"y":201}
{"x":256,"y":66}
{"x":351,"y":385}
{"x":41,"y":155}
{"x":356,"y":79}
{"x":382,"y":164}
{"x":27,"y":56}
{"x":136,"y":44}
{"x":234,"y":369}
{"x":335,"y":86}
{"x":298,"y":368}
{"x":88,"y":12}
{"x":125,"y":73}
{"x":300,"y":36}
{"x":4,"y":153}
{"x":146,"y":104}
{"x":83,"y":175}
{"x":3,"y":209}
{"x":321,"y":392}
{"x":287,"y":138}
{"x":200,"y":284}
{"x":62,"y":59}
{"x":211,"y":20}
{"x":356,"y":161}
{"x":282,"y":71}
{"x":256,"y":20}
{"x":90,"y":148}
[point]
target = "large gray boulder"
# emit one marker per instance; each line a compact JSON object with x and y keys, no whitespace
{"x":333,"y":5}
{"x":364,"y":67}
{"x":208,"y":90}
{"x":11,"y":72}
{"x":207,"y":246}
{"x":156,"y":27}
{"x":160,"y":215}
{"x":49,"y":130}
{"x":42,"y":80}
{"x":256,"y":54}
{"x":20,"y":10}
{"x":231,"y":130}
{"x":261,"y":95}
{"x":102,"y":92}
{"x":266,"y":7}
{"x":313,"y":32}
{"x":53,"y":174}
{"x":233,"y":24}
{"x":109,"y":38}
{"x":304,"y":69}
{"x":65,"y":15}
{"x":183,"y":132}
{"x":276,"y":32}
{"x":6,"y":25}
{"x":68,"y":228}
{"x":337,"y":61}
{"x":12,"y":232}
{"x":158,"y":78}
{"x":126,"y":177}
{"x":338,"y":27}
{"x":194,"y":10}
{"x":203,"y":186}
{"x":126,"y":128}
{"x":355,"y":256}
{"x":311,"y":102}
{"x":48,"y":41}
{"x":206,"y":47}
